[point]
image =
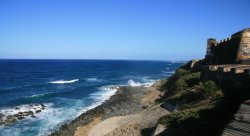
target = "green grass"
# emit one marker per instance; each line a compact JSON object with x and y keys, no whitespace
{"x":208,"y":120}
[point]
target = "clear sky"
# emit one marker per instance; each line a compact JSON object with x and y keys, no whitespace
{"x":116,"y":29}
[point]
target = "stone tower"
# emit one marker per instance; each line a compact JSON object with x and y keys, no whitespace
{"x":243,"y":53}
{"x":211,"y":42}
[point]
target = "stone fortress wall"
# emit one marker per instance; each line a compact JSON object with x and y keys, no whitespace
{"x":228,"y":61}
{"x":232,"y":50}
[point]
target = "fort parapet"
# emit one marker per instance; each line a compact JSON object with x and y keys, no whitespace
{"x":232,"y":50}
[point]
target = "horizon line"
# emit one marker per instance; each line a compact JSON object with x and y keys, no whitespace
{"x":87,"y":59}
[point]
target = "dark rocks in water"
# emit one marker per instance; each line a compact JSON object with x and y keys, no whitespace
{"x":1,"y":115}
{"x":37,"y":111}
{"x":9,"y":117}
{"x":1,"y":123}
{"x":31,"y":113}
{"x":20,"y":113}
{"x":28,"y":113}
{"x":20,"y":117}
{"x":10,"y":120}
{"x":43,"y":105}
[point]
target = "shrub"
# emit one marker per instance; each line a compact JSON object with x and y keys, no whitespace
{"x":210,"y":90}
{"x":172,"y":120}
{"x":181,"y":72}
{"x":186,"y":81}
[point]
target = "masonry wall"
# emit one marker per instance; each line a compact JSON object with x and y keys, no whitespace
{"x":243,"y":55}
{"x":227,"y":78}
{"x":225,"y":52}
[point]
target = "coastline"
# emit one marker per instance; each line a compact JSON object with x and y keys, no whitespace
{"x":124,"y":102}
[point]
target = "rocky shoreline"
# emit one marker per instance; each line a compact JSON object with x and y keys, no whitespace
{"x":11,"y":116}
{"x":126,"y":101}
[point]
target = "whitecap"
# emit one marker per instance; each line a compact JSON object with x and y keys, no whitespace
{"x":131,"y":82}
{"x":37,"y":95}
{"x":64,"y":81}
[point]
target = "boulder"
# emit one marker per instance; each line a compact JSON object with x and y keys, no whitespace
{"x":37,"y":111}
{"x":20,"y":117}
{"x":28,"y":113}
{"x":9,"y":117}
{"x":20,"y":113}
{"x":43,"y":106}
{"x":1,"y":115}
{"x":10,"y":121}
{"x":1,"y":123}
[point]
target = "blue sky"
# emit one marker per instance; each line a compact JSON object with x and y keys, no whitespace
{"x":116,"y":29}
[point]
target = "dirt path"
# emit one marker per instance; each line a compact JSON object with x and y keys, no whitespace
{"x":127,"y":125}
{"x":84,"y":130}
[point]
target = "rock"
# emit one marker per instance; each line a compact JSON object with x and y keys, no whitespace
{"x":31,"y":113}
{"x":10,"y":121}
{"x":28,"y":113}
{"x":33,"y":116}
{"x":1,"y":123}
{"x":20,"y":113}
{"x":43,"y":106}
{"x":1,"y":115}
{"x":37,"y":111}
{"x":16,"y":115}
{"x":145,"y":107}
{"x":9,"y":117}
{"x":20,"y":117}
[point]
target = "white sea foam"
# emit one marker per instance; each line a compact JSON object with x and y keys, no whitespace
{"x":147,"y":82}
{"x":64,"y":81}
{"x":101,"y":96}
{"x":131,"y":82}
{"x":37,"y":95}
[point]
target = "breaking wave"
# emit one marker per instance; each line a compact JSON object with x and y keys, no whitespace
{"x":149,"y":83}
{"x":64,"y":81}
{"x":131,"y":82}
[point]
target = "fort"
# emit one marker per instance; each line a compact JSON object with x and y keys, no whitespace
{"x":232,"y":50}
{"x":228,"y":58}
{"x":227,"y":62}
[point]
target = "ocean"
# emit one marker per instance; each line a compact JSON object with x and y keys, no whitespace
{"x":66,"y":88}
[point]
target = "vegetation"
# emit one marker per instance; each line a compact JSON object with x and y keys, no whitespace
{"x":210,"y":90}
{"x":204,"y":109}
{"x":207,"y":120}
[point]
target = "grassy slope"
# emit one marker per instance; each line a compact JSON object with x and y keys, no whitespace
{"x":204,"y":108}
